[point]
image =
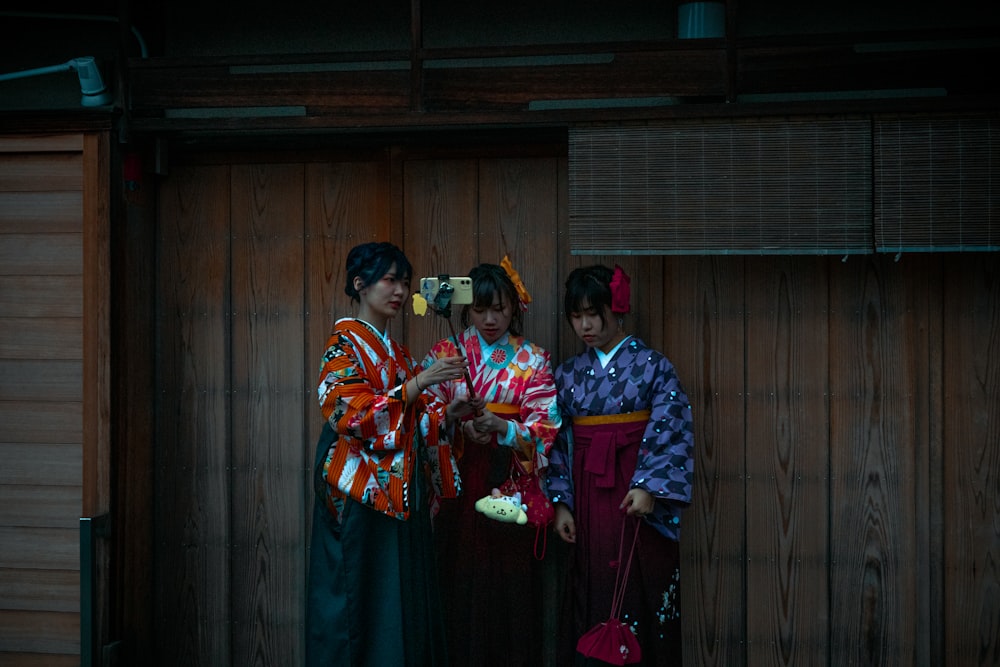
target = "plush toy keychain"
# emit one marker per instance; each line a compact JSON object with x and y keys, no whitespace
{"x":503,"y":508}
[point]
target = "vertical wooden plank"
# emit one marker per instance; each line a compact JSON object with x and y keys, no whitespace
{"x":134,"y":392}
{"x":267,"y":429}
{"x":786,"y":462}
{"x":972,"y":460}
{"x":440,"y":234}
{"x":97,"y":369}
{"x":346,"y":203}
{"x":704,"y":332}
{"x":933,"y":624}
{"x":874,"y":446}
{"x":518,"y":215}
{"x":568,"y":341}
{"x":921,"y":276}
{"x":96,"y":319}
{"x":191,"y":516}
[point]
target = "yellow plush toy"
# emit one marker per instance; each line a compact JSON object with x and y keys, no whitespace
{"x":503,"y":508}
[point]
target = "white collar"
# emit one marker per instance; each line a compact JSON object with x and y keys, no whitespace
{"x":487,"y":348}
{"x":606,"y":358}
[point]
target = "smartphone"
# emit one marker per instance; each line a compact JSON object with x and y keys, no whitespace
{"x":460,"y":288}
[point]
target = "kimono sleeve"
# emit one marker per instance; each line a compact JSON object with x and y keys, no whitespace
{"x":665,"y":466}
{"x":539,"y":410}
{"x":355,"y":404}
{"x":559,"y":480}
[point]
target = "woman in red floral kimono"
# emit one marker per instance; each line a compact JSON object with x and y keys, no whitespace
{"x":372,"y":597}
{"x":490,"y":578}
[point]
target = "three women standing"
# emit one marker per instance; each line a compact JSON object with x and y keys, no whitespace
{"x":386,"y":457}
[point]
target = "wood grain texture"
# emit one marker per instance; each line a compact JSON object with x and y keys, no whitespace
{"x":41,"y":296}
{"x":971,"y":458}
{"x":41,"y":395}
{"x":40,"y":212}
{"x":39,"y":632}
{"x":39,"y":143}
{"x":10,"y":659}
{"x":32,"y":548}
{"x":704,"y":337}
{"x":133,"y":237}
{"x":441,"y":234}
{"x":41,"y":172}
{"x":268,"y":506}
{"x":41,"y":380}
{"x":40,"y":337}
{"x":874,"y":570}
{"x":517,"y":200}
{"x":192,"y":507}
{"x":346,"y":203}
{"x":40,"y":590}
{"x":41,"y":254}
{"x":786,"y":463}
{"x":40,"y":505}
{"x":30,"y":422}
{"x":22,"y":461}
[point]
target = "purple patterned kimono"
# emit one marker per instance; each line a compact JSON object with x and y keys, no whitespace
{"x":593,"y":480}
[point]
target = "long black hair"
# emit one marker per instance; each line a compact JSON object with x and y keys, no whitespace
{"x":371,"y":261}
{"x":490,"y":279}
{"x":589,"y":285}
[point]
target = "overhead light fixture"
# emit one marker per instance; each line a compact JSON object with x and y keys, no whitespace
{"x":95,"y":94}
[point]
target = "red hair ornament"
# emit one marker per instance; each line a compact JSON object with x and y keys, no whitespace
{"x":621,"y":292}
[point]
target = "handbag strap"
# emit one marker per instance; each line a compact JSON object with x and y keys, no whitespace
{"x":621,"y":576}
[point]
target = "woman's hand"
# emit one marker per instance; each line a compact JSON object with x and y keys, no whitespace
{"x":443,"y":369}
{"x":637,"y":502}
{"x":462,"y":406}
{"x":472,"y":435}
{"x":564,"y":525}
{"x":487,"y":422}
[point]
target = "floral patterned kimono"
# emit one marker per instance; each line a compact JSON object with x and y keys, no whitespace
{"x":625,"y":425}
{"x":490,"y":579}
{"x":373,"y":597}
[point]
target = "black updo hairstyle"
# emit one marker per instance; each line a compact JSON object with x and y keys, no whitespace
{"x":371,"y":261}
{"x":590,"y":285}
{"x":490,"y":279}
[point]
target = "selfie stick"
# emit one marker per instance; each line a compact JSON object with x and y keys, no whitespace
{"x":442,"y":306}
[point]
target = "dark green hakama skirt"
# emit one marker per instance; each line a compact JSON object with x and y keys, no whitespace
{"x":372,"y":598}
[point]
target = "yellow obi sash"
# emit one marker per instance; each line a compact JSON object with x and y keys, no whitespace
{"x":623,"y":418}
{"x":505,"y":410}
{"x":603,"y":443}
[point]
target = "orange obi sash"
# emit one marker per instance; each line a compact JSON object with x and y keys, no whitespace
{"x":505,"y":410}
{"x":597,"y":440}
{"x":623,"y":418}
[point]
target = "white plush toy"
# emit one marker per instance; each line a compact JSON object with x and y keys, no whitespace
{"x":503,"y":508}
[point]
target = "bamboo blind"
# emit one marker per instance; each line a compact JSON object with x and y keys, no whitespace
{"x":937,"y":184}
{"x":741,"y":186}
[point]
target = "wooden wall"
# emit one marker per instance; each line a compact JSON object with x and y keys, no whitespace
{"x":53,"y":393}
{"x":846,"y":503}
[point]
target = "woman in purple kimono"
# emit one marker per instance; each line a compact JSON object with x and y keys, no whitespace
{"x":624,"y":450}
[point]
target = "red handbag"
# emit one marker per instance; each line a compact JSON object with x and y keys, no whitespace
{"x":525,"y":480}
{"x":612,"y":642}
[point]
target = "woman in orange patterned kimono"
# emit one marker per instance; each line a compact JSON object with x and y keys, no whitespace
{"x":372,"y":597}
{"x":490,"y":578}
